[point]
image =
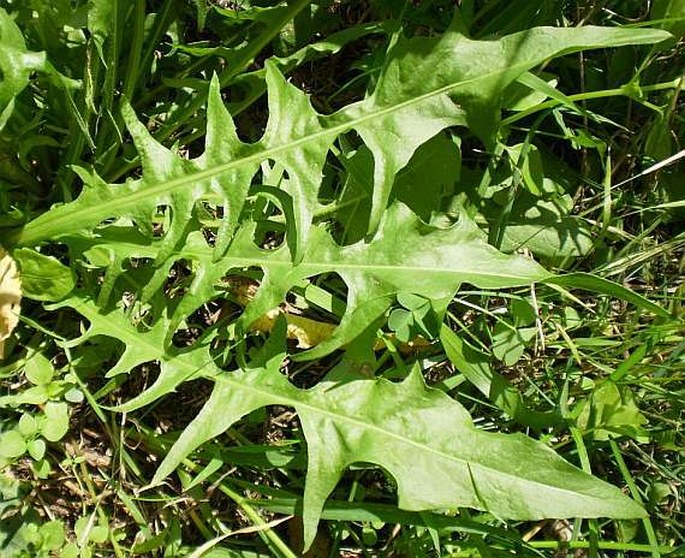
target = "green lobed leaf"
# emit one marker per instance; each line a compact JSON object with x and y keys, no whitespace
{"x":375,"y":272}
{"x":426,"y":85}
{"x":435,"y":263}
{"x":424,"y":439}
{"x":411,"y":103}
{"x":429,"y":84}
{"x":141,"y":345}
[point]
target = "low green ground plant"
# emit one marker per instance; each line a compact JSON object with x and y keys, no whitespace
{"x":321,"y":278}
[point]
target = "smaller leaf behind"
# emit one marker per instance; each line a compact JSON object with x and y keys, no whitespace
{"x":16,"y":63}
{"x":43,"y":277}
{"x":425,"y":86}
{"x":475,"y":366}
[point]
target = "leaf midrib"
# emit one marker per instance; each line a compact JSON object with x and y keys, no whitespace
{"x":340,"y":266}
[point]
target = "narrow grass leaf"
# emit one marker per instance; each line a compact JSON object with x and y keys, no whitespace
{"x":597,"y":284}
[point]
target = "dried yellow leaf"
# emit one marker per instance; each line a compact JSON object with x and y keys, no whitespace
{"x":10,"y":297}
{"x":306,"y":331}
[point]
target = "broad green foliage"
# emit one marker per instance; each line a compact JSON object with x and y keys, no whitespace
{"x":208,"y":212}
{"x":427,"y":85}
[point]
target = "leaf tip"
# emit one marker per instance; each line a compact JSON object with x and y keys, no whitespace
{"x":214,"y":86}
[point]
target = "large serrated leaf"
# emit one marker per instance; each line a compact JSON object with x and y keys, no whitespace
{"x":424,"y":439}
{"x":429,"y":84}
{"x":375,"y":272}
{"x":426,"y":85}
{"x":433,"y":264}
